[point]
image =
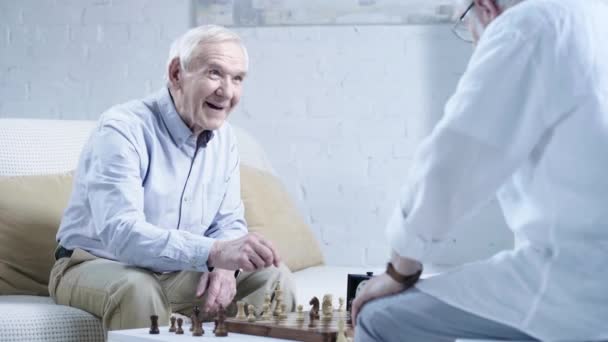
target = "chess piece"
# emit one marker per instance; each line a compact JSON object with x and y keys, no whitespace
{"x":240,"y":314}
{"x":194,"y":317}
{"x":278,"y":297}
{"x":341,"y":307}
{"x":198,"y":329}
{"x":300,"y":316}
{"x":341,"y":335}
{"x":179,"y":331}
{"x":197,"y":324}
{"x":172,"y":328}
{"x":220,"y":330}
{"x":251,"y":316}
{"x":311,"y":319}
{"x":283,"y":313}
{"x":314,"y":311}
{"x":266,"y":314}
{"x":327,"y":307}
{"x":214,"y":325}
{"x":154,"y":325}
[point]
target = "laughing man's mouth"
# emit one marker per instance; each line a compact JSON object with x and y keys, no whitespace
{"x":214,"y":106}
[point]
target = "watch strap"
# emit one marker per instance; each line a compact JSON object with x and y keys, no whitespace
{"x":407,"y":280}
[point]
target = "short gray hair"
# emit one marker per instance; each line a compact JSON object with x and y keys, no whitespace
{"x":502,"y":3}
{"x":184,"y":46}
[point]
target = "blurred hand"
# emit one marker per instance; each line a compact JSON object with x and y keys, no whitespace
{"x":251,"y":252}
{"x":220,"y":287}
{"x":379,"y":286}
{"x":383,"y":285}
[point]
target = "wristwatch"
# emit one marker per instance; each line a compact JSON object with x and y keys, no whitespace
{"x":407,"y":280}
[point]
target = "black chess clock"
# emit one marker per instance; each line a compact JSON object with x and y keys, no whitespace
{"x":355,"y":282}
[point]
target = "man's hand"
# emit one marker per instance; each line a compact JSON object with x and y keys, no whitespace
{"x":220,"y":287}
{"x":377,"y":287}
{"x":251,"y":252}
{"x":383,"y":285}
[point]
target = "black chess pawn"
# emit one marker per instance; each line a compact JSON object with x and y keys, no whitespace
{"x":179,"y":331}
{"x":154,"y":325}
{"x":172,"y":328}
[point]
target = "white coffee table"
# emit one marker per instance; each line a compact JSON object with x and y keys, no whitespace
{"x":143,"y":335}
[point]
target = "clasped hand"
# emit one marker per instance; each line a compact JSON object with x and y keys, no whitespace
{"x":250,"y":253}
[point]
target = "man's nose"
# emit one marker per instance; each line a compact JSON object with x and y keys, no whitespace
{"x":226,"y":89}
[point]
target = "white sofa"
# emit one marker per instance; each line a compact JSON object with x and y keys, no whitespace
{"x":35,"y":147}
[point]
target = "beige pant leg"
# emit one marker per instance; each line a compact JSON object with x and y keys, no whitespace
{"x":124,"y":297}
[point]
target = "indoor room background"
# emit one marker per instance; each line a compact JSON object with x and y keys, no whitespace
{"x":338,"y":96}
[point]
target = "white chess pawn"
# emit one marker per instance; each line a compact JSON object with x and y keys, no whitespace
{"x":266,"y":314}
{"x":251,"y":316}
{"x":283,"y":313}
{"x":300,"y":317}
{"x":341,"y":335}
{"x":240,"y":314}
{"x":341,"y":301}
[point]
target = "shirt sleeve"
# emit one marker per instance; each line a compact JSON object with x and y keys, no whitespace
{"x":116,"y":197}
{"x":490,"y":126}
{"x":229,"y":222}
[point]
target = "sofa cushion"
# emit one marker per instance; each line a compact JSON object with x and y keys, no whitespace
{"x":270,"y":211}
{"x":31,"y":209}
{"x":27,"y":318}
{"x":30,"y":212}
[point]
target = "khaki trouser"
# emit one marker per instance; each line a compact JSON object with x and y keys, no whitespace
{"x":125,"y":297}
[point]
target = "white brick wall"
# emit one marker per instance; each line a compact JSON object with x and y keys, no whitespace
{"x":339,"y":109}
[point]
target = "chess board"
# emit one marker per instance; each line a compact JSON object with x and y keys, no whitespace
{"x":290,"y":328}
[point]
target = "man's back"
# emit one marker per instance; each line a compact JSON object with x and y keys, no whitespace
{"x":548,"y":125}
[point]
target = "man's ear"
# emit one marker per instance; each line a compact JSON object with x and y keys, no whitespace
{"x":175,"y":72}
{"x":487,"y":11}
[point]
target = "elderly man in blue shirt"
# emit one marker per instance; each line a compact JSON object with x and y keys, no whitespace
{"x":155,"y":220}
{"x":528,"y":126}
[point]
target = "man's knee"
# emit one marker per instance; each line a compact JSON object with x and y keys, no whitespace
{"x":133,"y":299}
{"x":366,"y":322}
{"x":252,"y":287}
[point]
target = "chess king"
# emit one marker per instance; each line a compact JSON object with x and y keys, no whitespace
{"x":155,"y":220}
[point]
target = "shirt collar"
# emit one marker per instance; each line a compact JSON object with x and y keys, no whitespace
{"x":179,"y":131}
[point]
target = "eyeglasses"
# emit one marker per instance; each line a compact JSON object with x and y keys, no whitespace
{"x":460,"y":28}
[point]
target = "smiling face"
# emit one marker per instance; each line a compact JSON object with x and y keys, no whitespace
{"x":211,"y":87}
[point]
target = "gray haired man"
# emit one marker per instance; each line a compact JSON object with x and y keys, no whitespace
{"x":155,"y":220}
{"x":527,"y":126}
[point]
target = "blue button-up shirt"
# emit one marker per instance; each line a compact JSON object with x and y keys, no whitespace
{"x":149,"y":193}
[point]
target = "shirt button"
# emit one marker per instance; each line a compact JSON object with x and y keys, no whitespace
{"x":186,"y":199}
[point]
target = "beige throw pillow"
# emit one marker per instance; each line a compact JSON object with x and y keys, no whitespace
{"x":30,"y":211}
{"x":270,"y":211}
{"x":31,"y":208}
